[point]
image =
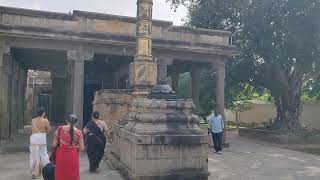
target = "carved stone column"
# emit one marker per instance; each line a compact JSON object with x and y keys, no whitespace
{"x":143,"y":71}
{"x":163,"y":70}
{"x":195,"y":85}
{"x":220,"y":85}
{"x":5,"y":76}
{"x":21,"y":96}
{"x":58,"y":96}
{"x":175,"y":81}
{"x":75,"y":83}
{"x":14,"y":98}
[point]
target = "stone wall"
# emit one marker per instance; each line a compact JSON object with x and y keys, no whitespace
{"x":276,"y":137}
{"x":266,"y":111}
{"x":113,"y":105}
{"x":89,"y":22}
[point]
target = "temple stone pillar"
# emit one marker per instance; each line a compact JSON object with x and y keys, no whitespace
{"x":5,"y":89}
{"x":163,"y":70}
{"x":58,"y":96}
{"x":24,"y":93}
{"x":21,"y":93}
{"x":14,"y":98}
{"x":220,"y":84}
{"x":75,"y":83}
{"x":195,"y":87}
{"x":175,"y":81}
{"x":143,"y":70}
{"x":219,"y":69}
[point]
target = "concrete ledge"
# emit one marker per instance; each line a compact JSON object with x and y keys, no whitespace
{"x":276,"y":137}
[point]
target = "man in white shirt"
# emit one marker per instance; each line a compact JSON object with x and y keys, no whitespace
{"x":216,"y":127}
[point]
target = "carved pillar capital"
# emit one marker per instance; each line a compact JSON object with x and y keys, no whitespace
{"x":219,"y":68}
{"x":58,"y":74}
{"x":164,"y":61}
{"x":79,"y":55}
{"x":4,"y":51}
{"x":163,"y":64}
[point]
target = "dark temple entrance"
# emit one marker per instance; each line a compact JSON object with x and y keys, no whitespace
{"x":104,"y":72}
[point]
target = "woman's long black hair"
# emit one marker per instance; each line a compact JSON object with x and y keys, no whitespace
{"x":72,"y":120}
{"x":96,"y":115}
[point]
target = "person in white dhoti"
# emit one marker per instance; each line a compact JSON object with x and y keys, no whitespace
{"x":38,"y":143}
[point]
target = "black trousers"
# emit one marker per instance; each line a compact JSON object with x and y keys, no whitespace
{"x":217,"y":141}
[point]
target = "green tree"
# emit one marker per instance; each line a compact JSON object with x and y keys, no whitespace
{"x":311,"y":90}
{"x":279,"y":44}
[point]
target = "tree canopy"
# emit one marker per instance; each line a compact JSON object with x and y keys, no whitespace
{"x":279,"y":44}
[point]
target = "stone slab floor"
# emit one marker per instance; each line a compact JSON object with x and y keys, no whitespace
{"x":15,"y":167}
{"x":251,"y":160}
{"x":244,"y":160}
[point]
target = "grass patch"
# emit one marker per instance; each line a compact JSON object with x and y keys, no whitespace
{"x":203,"y":126}
{"x":315,"y":151}
{"x":230,"y":125}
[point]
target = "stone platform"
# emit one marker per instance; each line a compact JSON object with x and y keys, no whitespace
{"x":113,"y":104}
{"x":161,"y":140}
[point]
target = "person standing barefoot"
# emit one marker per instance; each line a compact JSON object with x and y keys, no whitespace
{"x":38,"y":143}
{"x":96,"y":131}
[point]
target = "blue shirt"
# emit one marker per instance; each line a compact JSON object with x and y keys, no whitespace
{"x":215,"y":123}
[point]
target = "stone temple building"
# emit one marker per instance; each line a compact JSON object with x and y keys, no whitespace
{"x":121,"y":67}
{"x":89,"y":53}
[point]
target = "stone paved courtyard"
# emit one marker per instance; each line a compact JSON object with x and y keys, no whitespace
{"x":15,"y":167}
{"x":250,"y":160}
{"x":244,"y":160}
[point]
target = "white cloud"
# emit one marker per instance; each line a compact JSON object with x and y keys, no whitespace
{"x":161,"y":10}
{"x":36,"y":5}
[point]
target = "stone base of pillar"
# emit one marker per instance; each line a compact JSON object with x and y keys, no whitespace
{"x":161,"y":140}
{"x":143,"y":75}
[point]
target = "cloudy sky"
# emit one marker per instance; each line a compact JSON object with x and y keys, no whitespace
{"x":162,"y":9}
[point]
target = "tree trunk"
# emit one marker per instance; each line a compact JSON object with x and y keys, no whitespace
{"x":288,"y":112}
{"x":285,"y":86}
{"x":237,"y":119}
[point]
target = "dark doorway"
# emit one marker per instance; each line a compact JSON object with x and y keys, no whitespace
{"x":88,"y":97}
{"x":104,"y":72}
{"x":44,"y":100}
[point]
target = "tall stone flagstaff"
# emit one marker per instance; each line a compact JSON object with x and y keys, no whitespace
{"x":143,"y":71}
